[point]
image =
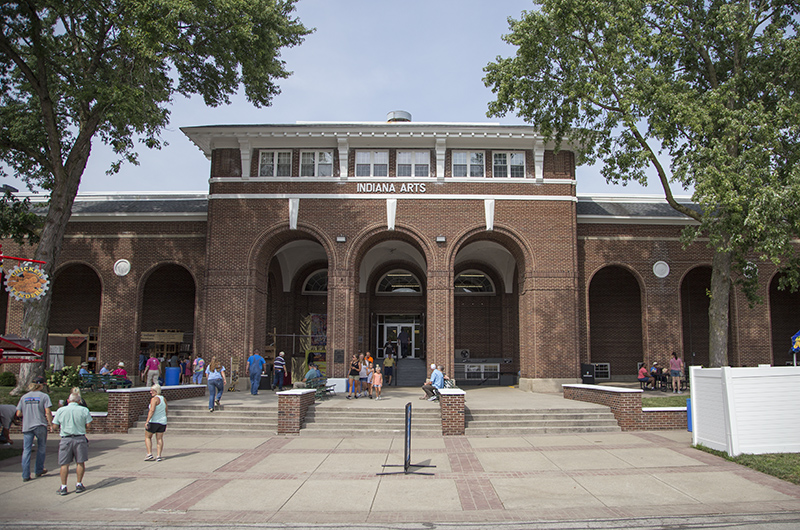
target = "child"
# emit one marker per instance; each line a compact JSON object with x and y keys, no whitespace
{"x":370,"y":373}
{"x":377,"y":381}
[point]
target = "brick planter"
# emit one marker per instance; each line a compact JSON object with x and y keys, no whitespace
{"x":125,"y":405}
{"x":452,"y":402}
{"x":292,"y":407}
{"x":626,"y":405}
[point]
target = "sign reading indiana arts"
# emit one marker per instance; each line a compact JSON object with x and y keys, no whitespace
{"x":390,"y":187}
{"x":26,"y":282}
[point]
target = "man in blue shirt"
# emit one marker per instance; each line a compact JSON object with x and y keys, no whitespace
{"x":73,"y":420}
{"x":436,"y":383}
{"x":255,"y":365}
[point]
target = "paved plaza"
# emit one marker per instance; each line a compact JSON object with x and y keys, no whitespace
{"x":295,"y":481}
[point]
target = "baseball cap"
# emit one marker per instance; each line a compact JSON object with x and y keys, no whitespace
{"x":39,"y":380}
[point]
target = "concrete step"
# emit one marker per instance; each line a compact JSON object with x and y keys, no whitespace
{"x":530,"y":431}
{"x":504,"y":422}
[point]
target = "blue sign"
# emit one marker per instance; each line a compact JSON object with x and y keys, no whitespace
{"x":796,"y":342}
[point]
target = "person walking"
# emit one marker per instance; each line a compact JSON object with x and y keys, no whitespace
{"x":352,"y":377}
{"x":73,"y":420}
{"x":156,"y":423}
{"x":153,"y":366}
{"x":388,"y":367}
{"x":362,"y":375}
{"x":377,"y":381}
{"x":215,"y":374}
{"x":675,"y":371}
{"x":34,"y":409}
{"x":198,"y":367}
{"x":278,"y":371}
{"x":254,"y":368}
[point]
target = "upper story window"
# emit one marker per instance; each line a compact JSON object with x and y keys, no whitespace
{"x":468,"y":164}
{"x":316,"y":164}
{"x":316,"y":283}
{"x":275,"y":164}
{"x":372,"y":163}
{"x":399,"y":282}
{"x":508,"y":165}
{"x":413,"y":163}
{"x":473,"y":282}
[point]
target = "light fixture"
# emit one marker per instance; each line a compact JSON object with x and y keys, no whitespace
{"x":341,"y":239}
{"x":440,"y":239}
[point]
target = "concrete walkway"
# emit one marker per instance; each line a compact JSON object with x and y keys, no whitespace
{"x":217,"y":481}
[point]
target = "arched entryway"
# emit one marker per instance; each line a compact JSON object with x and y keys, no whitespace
{"x":296,"y":304}
{"x":75,"y":315}
{"x":694,"y":316}
{"x":486,"y":311}
{"x":615,"y":321}
{"x":168,"y":311}
{"x":784,"y":311}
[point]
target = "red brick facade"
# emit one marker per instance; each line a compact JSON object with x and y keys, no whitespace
{"x":568,"y":287}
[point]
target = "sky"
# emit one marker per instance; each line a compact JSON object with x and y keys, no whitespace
{"x":364,"y":59}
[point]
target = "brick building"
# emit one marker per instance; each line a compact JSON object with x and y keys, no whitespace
{"x":468,"y":240}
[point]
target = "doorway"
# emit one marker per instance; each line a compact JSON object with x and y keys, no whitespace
{"x":402,"y":332}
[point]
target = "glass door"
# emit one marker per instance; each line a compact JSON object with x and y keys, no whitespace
{"x":402,"y":332}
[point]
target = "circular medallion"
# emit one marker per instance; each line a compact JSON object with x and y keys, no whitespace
{"x":661,"y":269}
{"x":122,"y":267}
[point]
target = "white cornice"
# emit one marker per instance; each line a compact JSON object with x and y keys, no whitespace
{"x":384,"y":196}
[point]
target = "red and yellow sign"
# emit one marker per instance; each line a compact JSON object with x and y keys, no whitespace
{"x":26,"y":282}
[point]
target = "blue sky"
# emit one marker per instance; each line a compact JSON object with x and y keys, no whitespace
{"x":366,"y":58}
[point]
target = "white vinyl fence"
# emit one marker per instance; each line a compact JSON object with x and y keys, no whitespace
{"x":746,"y":410}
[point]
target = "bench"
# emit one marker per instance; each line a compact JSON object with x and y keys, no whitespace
{"x":114,"y":381}
{"x":322,"y":388}
{"x":90,"y":381}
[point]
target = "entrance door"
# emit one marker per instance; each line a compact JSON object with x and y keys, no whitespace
{"x":402,"y":332}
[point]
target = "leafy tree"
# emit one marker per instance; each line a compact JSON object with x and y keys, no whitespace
{"x":74,"y":71}
{"x":710,"y":85}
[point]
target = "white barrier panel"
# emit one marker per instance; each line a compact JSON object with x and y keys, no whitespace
{"x":746,"y":410}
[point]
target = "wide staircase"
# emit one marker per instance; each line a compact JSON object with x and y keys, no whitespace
{"x":505,"y":422}
{"x":344,"y":421}
{"x":191,"y":417}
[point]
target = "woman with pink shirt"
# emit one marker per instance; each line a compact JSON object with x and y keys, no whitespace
{"x":675,"y":371}
{"x":153,"y":370}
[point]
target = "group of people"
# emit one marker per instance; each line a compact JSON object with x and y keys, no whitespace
{"x":191,"y":370}
{"x":34,"y":411}
{"x":656,"y":374}
{"x":365,"y":378}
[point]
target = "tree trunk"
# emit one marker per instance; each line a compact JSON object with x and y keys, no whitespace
{"x":36,"y":313}
{"x":718,"y":309}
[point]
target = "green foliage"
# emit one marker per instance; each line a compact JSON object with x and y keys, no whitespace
{"x":17,"y":221}
{"x":97,"y":401}
{"x":67,"y":377}
{"x":8,"y":379}
{"x":711,"y":85}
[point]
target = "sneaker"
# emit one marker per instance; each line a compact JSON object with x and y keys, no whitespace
{"x":43,"y":473}
{"x":159,"y":459}
{"x":80,"y":488}
{"x":216,"y":403}
{"x":148,"y":458}
{"x":25,"y":479}
{"x":348,"y":397}
{"x":370,"y":396}
{"x":211,"y":410}
{"x":432,"y":398}
{"x":62,"y":490}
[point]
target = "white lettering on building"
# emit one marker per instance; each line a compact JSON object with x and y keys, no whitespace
{"x":389,"y":187}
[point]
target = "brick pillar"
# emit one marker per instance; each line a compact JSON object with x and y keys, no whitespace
{"x":452,"y":402}
{"x":342,"y":319}
{"x":439,"y":320}
{"x":292,"y":407}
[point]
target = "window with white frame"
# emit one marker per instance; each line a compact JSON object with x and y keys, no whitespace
{"x":473,"y":282}
{"x":275,"y":164}
{"x":413,"y":163}
{"x":316,"y":164}
{"x":468,"y":164}
{"x":316,"y":283}
{"x":372,"y":163}
{"x":508,"y":165}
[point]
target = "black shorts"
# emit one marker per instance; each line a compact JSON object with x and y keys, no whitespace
{"x":388,"y":370}
{"x":155,"y":427}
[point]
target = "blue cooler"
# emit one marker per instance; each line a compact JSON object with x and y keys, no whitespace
{"x":172,"y":377}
